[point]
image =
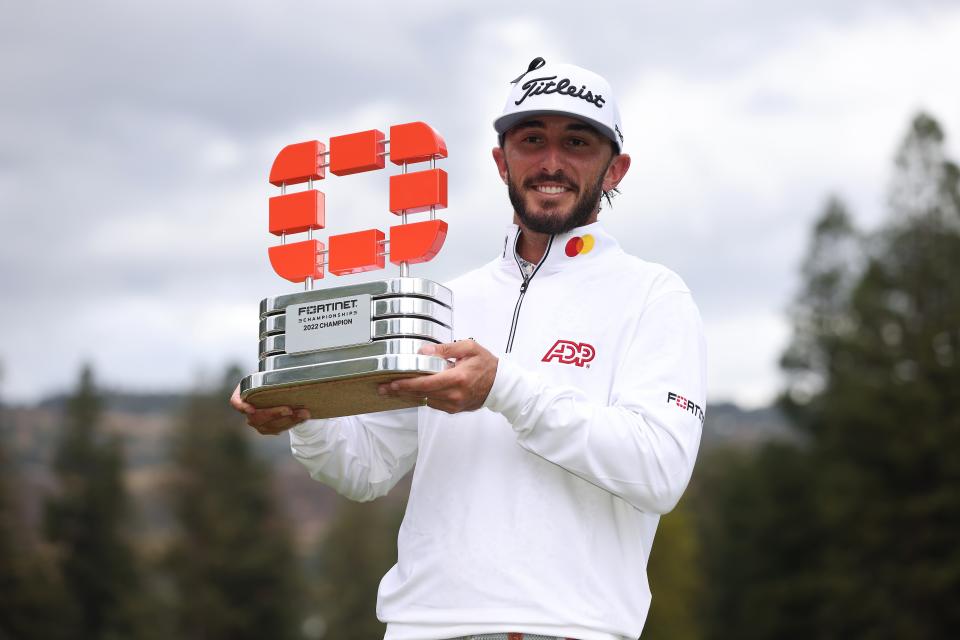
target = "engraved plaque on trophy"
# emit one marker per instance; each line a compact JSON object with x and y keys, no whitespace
{"x":327,"y":350}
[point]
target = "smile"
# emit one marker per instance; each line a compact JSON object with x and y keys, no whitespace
{"x":550,"y":189}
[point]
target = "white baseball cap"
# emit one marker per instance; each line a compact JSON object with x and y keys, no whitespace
{"x":562,"y":89}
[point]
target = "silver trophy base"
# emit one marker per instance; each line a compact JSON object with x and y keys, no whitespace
{"x":333,"y":389}
{"x":406,"y":314}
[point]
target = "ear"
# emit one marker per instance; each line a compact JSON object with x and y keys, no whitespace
{"x":615,"y":171}
{"x":501,"y":161}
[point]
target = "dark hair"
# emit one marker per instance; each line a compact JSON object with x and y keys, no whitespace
{"x":610,"y":195}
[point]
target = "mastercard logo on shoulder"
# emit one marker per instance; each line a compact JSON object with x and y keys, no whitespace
{"x":579,"y":245}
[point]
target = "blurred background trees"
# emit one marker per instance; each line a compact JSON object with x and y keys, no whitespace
{"x":86,"y":522}
{"x":232,"y":558}
{"x":33,"y":600}
{"x":850,"y":530}
{"x":359,"y":549}
{"x":884,"y":430}
{"x":843,"y":525}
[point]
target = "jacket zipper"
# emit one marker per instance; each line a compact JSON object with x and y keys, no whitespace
{"x":523,"y":288}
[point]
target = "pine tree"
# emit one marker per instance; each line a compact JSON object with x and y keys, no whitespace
{"x":33,"y":603}
{"x":757,"y":510}
{"x":761,"y":542}
{"x":885,"y":423}
{"x":851,"y":531}
{"x":232,"y":561}
{"x":821,"y":315}
{"x":894,"y":401}
{"x":87,"y":521}
{"x":357,"y":551}
{"x":675,"y":578}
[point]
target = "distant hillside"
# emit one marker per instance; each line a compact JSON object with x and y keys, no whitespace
{"x":728,"y":424}
{"x":145,"y":422}
{"x":136,"y":403}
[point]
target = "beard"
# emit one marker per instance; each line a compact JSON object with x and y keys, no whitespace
{"x":550,"y":219}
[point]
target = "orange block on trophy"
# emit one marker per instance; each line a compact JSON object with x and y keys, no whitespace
{"x":415,"y":142}
{"x":357,"y":152}
{"x":356,"y":252}
{"x":417,"y":241}
{"x":297,"y":212}
{"x":298,"y":163}
{"x":419,"y":191}
{"x":297,"y":261}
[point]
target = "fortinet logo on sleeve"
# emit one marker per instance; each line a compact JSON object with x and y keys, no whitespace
{"x":568,"y":352}
{"x":686,"y":405}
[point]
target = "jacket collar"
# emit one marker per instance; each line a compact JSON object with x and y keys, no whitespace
{"x":569,"y":250}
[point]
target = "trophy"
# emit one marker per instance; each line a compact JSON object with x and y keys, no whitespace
{"x":327,"y":350}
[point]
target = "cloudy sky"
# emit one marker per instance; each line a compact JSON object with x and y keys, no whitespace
{"x":136,"y":139}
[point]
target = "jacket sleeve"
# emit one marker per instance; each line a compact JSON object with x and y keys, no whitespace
{"x":640,"y":445}
{"x":361,"y":457}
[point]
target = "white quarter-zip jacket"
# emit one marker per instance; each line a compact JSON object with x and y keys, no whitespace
{"x":537,"y":512}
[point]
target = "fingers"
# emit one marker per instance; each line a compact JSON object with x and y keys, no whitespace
{"x":461,"y":351}
{"x":452,"y":350}
{"x":276,"y":419}
{"x":237,"y":402}
{"x":463,"y":387}
{"x":263,"y":416}
{"x":420,"y":386}
{"x":270,"y":421}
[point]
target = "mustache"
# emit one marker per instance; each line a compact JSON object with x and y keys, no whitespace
{"x":557,"y":178}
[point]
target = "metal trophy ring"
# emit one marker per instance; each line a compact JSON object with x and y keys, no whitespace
{"x":328,"y":350}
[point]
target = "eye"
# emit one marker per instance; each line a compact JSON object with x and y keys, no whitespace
{"x":577,"y":142}
{"x":532,"y":138}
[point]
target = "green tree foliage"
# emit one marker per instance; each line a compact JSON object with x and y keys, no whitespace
{"x":757,"y":510}
{"x":87,"y":522}
{"x":821,"y":315}
{"x":33,"y":602}
{"x":232,"y":560}
{"x":760,"y":541}
{"x":675,"y":579}
{"x":885,"y":427}
{"x":357,"y":551}
{"x":851,"y":531}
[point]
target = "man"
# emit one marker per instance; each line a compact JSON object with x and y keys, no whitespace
{"x":569,"y":422}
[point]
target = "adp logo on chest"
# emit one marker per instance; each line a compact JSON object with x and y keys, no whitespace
{"x":569,"y":352}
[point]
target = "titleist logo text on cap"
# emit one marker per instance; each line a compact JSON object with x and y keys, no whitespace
{"x":546,"y":85}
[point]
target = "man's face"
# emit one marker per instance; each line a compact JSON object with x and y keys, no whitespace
{"x":556,"y":169}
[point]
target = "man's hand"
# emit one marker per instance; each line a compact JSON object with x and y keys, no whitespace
{"x":268,"y":421}
{"x":464,"y":387}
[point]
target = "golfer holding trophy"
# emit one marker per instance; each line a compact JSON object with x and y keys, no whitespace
{"x":548,"y":444}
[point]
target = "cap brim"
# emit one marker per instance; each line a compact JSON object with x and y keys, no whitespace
{"x":507,"y":122}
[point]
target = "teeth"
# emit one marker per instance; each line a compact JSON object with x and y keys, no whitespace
{"x":549,"y":189}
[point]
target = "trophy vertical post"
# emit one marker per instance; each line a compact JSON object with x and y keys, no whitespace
{"x":404,"y":266}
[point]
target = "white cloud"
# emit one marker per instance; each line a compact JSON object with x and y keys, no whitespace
{"x":739,"y":351}
{"x":134,"y":154}
{"x":730,"y":171}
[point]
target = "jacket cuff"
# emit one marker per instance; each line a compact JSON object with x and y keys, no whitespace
{"x":513,"y":391}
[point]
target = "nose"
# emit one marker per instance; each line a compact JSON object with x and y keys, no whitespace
{"x":551,"y":159}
